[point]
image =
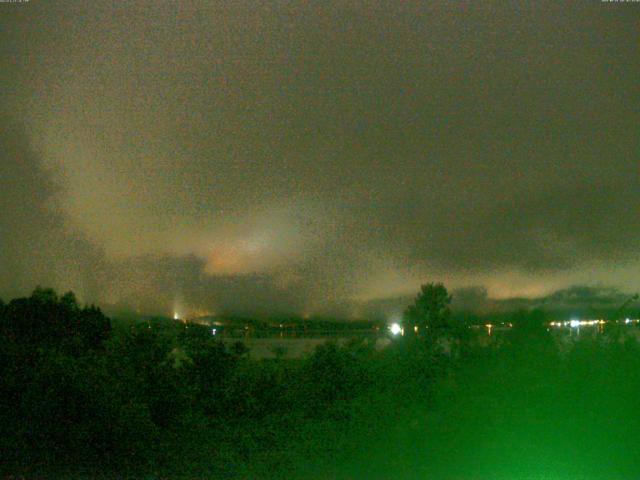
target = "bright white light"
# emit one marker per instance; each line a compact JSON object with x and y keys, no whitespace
{"x":175,"y":316}
{"x":627,"y":321}
{"x":213,"y":331}
{"x":395,"y":329}
{"x":574,"y":323}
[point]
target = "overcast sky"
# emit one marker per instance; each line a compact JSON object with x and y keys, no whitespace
{"x":300,"y":156}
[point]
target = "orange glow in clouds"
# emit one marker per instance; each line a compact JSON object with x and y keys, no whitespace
{"x":237,"y":258}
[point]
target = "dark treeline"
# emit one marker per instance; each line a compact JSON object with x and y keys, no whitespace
{"x":84,"y":397}
{"x":80,"y":394}
{"x":292,"y":325}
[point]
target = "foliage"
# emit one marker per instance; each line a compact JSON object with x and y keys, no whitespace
{"x":44,"y":319}
{"x":430,"y":311}
{"x":79,"y":400}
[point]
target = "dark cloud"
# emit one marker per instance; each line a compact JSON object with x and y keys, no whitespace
{"x":576,"y":300}
{"x":572,"y":301}
{"x":161,"y":284}
{"x":36,"y":244}
{"x":316,"y":154}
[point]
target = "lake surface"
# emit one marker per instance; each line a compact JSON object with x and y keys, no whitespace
{"x":298,"y":347}
{"x":287,"y":345}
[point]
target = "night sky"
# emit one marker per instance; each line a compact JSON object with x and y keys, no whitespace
{"x":306,"y":157}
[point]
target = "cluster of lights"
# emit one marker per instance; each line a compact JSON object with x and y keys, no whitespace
{"x":492,"y":325}
{"x":582,"y":323}
{"x":577,"y":323}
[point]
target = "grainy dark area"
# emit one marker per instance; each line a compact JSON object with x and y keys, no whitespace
{"x":336,"y":239}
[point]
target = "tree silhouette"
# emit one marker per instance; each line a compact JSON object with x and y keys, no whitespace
{"x":430,"y":311}
{"x":45,"y":319}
